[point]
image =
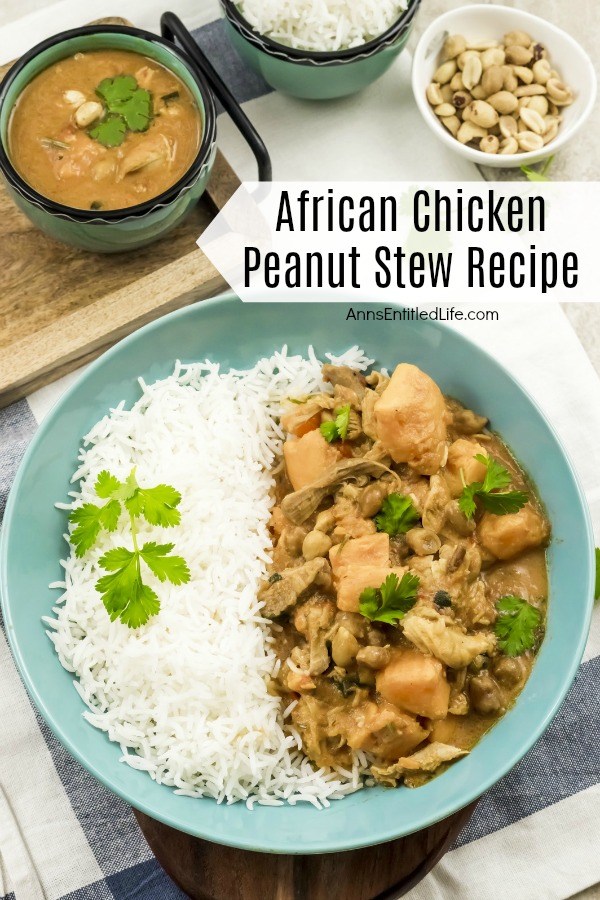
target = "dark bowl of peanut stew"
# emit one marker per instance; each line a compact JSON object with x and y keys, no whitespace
{"x":107,"y":136}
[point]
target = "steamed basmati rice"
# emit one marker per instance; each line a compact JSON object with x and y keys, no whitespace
{"x":322,"y":24}
{"x":186,"y":694}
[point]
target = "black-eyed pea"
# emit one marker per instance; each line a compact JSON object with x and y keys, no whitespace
{"x":532,"y":120}
{"x":489,"y":144}
{"x":468,"y":131}
{"x":481,"y":113}
{"x":559,"y":93}
{"x":516,"y":55}
{"x":464,"y":57}
{"x":539,"y":103}
{"x":454,"y":45}
{"x":492,"y":80}
{"x":529,"y":141}
{"x":457,"y":83}
{"x":517,"y":39}
{"x":461,"y":99}
{"x":434,"y":94}
{"x":495,"y":56}
{"x":508,"y":126}
{"x":503,"y":102}
{"x":509,"y":146}
{"x":472,"y":72}
{"x":478,"y":93}
{"x":530,"y":90}
{"x":524,"y":74}
{"x":447,"y":93}
{"x":445,"y":72}
{"x":541,"y":71}
{"x":511,"y":82}
{"x":452,"y":123}
{"x":444,"y":110}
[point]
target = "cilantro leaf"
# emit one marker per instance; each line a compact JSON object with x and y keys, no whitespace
{"x":397,"y":516}
{"x":157,"y":505}
{"x":597,"y":585}
{"x":490,"y":491}
{"x":90,"y":519}
{"x":517,"y":626}
{"x":338,"y":429}
{"x":158,"y":558}
{"x":106,"y":485}
{"x":110,"y":132}
{"x":136,"y":110}
{"x":143,"y":604}
{"x":392,"y":600}
{"x":115,"y":90}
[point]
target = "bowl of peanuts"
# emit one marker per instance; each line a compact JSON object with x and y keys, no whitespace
{"x":502,"y":87}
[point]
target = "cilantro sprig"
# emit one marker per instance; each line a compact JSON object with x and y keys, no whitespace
{"x":128,"y":107}
{"x":518,"y":625}
{"x":124,"y":593}
{"x":398,"y":515}
{"x":338,"y":428}
{"x":392,"y":600}
{"x":490,"y":491}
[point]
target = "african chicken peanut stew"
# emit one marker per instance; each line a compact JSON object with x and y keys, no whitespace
{"x":408,"y":583}
{"x":106,"y":129}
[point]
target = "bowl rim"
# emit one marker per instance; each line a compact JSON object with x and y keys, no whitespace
{"x":319,"y":57}
{"x":478,"y":156}
{"x":139,"y":210}
{"x":389,"y":830}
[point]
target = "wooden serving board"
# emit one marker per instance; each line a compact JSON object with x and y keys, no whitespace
{"x":206,"y":871}
{"x":61,"y":307}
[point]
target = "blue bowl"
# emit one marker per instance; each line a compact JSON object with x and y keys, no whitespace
{"x":236,"y":334}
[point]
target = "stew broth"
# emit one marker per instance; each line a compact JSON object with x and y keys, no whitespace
{"x":51,"y":140}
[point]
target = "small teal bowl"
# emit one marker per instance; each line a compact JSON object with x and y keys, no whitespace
{"x":314,"y":75}
{"x":236,"y":334}
{"x":115,"y":230}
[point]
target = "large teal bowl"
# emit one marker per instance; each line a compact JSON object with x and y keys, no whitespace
{"x":317,"y":75}
{"x":236,"y":334}
{"x":114,"y":230}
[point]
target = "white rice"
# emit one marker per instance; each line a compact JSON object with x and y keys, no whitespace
{"x":186,"y":694}
{"x":322,"y":24}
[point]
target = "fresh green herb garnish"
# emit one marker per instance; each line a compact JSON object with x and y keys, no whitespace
{"x":538,"y":174}
{"x":597,"y":586}
{"x":397,"y":516}
{"x":54,"y":144}
{"x":489,"y":491}
{"x":338,"y":429}
{"x":442,"y":599}
{"x":124,"y":594}
{"x":128,"y":107}
{"x":517,"y":626}
{"x":392,"y":600}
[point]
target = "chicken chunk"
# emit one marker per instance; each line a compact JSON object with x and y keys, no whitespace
{"x":508,"y":536}
{"x":378,"y":728}
{"x":314,"y":619}
{"x":281,"y":594}
{"x":412,"y":419}
{"x":433,"y":633}
{"x":308,"y":458}
{"x":352,"y":581}
{"x":462,"y":463}
{"x":417,"y":683}
{"x":370,"y":550}
{"x":428,"y":759}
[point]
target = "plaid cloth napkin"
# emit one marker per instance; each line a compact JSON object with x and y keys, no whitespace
{"x":534,"y":835}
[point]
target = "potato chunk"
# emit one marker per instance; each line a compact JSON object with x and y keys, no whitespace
{"x":411,"y":418}
{"x":507,"y":536}
{"x":352,"y":580}
{"x":370,"y":550}
{"x":307,"y":458}
{"x":461,"y":456}
{"x":417,"y":683}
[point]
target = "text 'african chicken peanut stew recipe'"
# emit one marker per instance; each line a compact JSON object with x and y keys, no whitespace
{"x":289,"y":582}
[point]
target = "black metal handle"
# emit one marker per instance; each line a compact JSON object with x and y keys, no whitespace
{"x":172,"y":27}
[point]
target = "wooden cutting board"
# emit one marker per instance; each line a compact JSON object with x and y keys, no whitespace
{"x":61,"y":307}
